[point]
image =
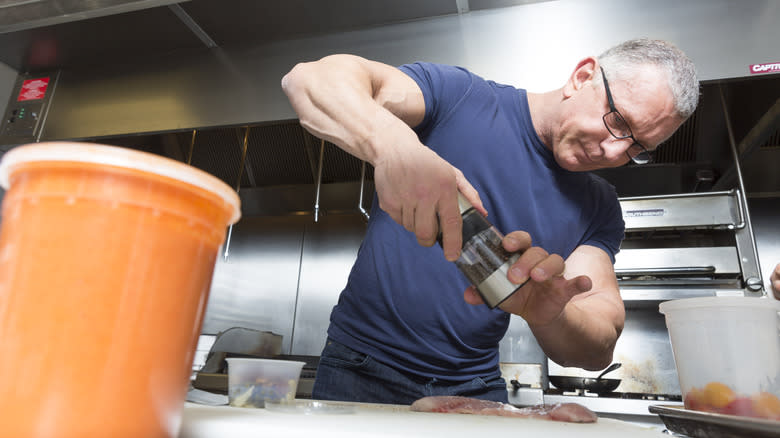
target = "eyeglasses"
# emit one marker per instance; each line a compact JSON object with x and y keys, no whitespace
{"x":618,"y":127}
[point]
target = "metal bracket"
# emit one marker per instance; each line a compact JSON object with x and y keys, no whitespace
{"x":362,"y":185}
{"x":238,"y":187}
{"x":319,"y":182}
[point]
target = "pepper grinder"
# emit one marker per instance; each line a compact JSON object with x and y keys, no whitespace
{"x":483,"y":260}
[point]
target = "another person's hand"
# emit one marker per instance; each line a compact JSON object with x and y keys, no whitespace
{"x":774,"y":281}
{"x":418,"y":189}
{"x":543,"y":298}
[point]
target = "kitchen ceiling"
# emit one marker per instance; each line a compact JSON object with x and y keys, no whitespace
{"x":37,"y":35}
{"x":28,"y":14}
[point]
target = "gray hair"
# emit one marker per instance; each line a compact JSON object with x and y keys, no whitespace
{"x":681,"y":73}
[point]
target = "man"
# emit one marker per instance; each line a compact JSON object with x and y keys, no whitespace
{"x":401,"y":329}
{"x":774,"y":281}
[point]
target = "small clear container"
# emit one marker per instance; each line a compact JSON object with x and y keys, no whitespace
{"x":254,"y":382}
{"x":727,"y":354}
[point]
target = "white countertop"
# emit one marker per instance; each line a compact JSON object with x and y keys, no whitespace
{"x":346,"y":420}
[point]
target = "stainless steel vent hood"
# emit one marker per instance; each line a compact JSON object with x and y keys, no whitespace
{"x":117,"y":82}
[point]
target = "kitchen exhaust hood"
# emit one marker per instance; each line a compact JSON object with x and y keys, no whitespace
{"x":18,"y":15}
{"x":111,"y":83}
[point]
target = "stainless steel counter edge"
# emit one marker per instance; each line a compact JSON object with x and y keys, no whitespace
{"x":608,"y":405}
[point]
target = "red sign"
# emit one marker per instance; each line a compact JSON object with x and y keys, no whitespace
{"x":33,"y":89}
{"x":768,"y":67}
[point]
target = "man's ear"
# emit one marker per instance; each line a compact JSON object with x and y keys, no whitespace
{"x":584,"y":72}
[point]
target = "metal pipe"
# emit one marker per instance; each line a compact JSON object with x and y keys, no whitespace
{"x":751,"y":282}
{"x":319,"y":182}
{"x":732,"y":143}
{"x":238,"y":187}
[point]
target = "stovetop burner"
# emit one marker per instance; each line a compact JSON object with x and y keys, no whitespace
{"x":616,"y":395}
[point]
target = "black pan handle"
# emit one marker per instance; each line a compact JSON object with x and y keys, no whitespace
{"x":517,"y":385}
{"x":609,"y":369}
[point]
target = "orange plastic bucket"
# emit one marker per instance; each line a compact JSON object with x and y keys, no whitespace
{"x":106,"y":260}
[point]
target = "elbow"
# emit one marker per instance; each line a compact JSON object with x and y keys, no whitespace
{"x":593,"y":356}
{"x":594,"y":360}
{"x":292,"y":81}
{"x":305,"y":75}
{"x":601,"y":361}
{"x":602,"y":354}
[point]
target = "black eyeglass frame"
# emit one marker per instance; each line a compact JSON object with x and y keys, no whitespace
{"x":642,"y":157}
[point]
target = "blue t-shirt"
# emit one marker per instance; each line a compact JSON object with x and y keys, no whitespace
{"x":403,"y":303}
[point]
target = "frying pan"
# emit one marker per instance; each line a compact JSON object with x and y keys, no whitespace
{"x":596,"y":385}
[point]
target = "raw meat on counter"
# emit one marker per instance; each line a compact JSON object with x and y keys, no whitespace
{"x":567,"y":412}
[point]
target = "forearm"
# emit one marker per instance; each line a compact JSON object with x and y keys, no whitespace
{"x":349,"y":101}
{"x":583,"y":335}
{"x":579,"y":324}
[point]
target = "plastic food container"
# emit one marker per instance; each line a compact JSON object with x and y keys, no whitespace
{"x":727,"y":353}
{"x":254,"y":382}
{"x":106,"y":260}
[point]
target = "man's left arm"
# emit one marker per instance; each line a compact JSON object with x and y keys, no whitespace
{"x":572,"y":306}
{"x":584,"y":334}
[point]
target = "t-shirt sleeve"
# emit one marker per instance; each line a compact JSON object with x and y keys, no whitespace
{"x":443,"y":87}
{"x":607,"y":226}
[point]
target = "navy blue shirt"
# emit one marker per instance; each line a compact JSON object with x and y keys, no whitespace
{"x":403,"y":303}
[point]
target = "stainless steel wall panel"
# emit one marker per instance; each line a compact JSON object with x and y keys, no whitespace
{"x":256,"y":287}
{"x":645,"y":352}
{"x":765,"y":215}
{"x":520,"y":346}
{"x":330,"y":247}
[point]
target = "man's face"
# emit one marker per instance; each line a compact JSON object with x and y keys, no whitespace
{"x":583,"y":141}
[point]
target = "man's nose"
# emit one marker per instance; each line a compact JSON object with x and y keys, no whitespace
{"x":614,"y":148}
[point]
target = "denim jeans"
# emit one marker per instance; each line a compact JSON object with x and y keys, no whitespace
{"x":347,"y":375}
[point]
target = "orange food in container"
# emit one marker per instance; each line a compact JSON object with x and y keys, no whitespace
{"x":727,"y":354}
{"x":106,"y":260}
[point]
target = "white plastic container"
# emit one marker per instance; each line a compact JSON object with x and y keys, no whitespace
{"x":727,"y":353}
{"x":254,"y":382}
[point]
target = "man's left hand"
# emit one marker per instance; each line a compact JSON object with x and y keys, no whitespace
{"x":542,"y":299}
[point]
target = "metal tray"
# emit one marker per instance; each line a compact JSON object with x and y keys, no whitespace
{"x":707,"y":425}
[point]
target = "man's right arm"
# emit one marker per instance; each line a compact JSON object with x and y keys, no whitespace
{"x":349,"y":100}
{"x":367,"y":109}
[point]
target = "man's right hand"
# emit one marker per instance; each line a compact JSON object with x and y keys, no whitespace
{"x":419,"y":189}
{"x":774,"y":281}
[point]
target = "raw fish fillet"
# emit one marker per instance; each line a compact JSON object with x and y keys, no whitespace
{"x":567,"y":412}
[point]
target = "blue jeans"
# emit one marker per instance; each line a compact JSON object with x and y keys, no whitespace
{"x":347,"y":375}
